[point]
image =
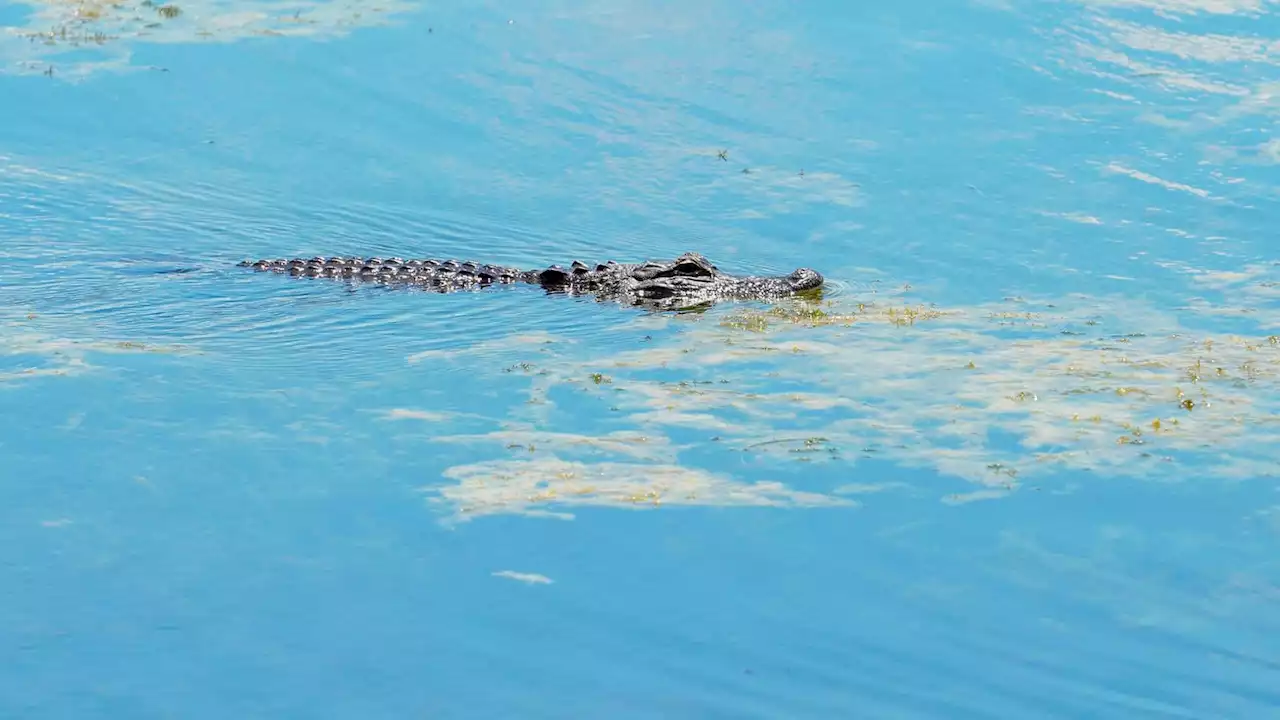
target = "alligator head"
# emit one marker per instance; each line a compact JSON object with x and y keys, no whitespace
{"x":689,"y":280}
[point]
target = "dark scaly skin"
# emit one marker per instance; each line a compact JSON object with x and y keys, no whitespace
{"x":688,"y":281}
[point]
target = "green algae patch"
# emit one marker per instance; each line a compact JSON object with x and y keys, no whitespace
{"x":554,"y":487}
{"x":40,"y":348}
{"x":1001,"y":395}
{"x":810,"y":314}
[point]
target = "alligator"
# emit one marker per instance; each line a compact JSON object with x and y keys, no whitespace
{"x":688,"y":281}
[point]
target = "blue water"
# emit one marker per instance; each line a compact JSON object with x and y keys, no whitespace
{"x":1020,"y":461}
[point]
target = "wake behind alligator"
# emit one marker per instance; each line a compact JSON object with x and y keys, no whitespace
{"x":689,"y":280}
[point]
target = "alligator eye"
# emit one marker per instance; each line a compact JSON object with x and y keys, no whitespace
{"x":692,"y":268}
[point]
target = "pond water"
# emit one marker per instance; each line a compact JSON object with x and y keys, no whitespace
{"x":1018,"y":461}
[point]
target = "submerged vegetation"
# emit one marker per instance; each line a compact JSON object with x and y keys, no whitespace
{"x":30,"y":349}
{"x":813,"y":314}
{"x":996,"y":396}
{"x":109,"y":26}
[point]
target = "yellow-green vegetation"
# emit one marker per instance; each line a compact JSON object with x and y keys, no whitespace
{"x":50,"y":352}
{"x":799,"y":312}
{"x":1109,"y":386}
{"x":57,"y":26}
{"x":551,"y":486}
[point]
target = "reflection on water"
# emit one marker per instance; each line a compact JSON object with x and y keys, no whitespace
{"x":529,"y":578}
{"x":1207,"y":82}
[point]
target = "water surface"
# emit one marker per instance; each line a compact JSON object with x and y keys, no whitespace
{"x":1019,"y":461}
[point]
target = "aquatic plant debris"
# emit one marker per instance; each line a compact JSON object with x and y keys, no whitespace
{"x":1069,"y":382}
{"x":106,"y":30}
{"x":549,"y":486}
{"x":32,"y":346}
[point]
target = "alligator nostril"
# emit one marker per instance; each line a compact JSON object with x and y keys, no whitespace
{"x":804,"y":279}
